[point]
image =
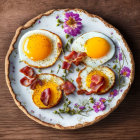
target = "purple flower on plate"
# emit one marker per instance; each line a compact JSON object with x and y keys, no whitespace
{"x":120,"y":56}
{"x":72,"y":24}
{"x":99,"y":106}
{"x":125,"y":71}
{"x":113,"y":93}
{"x":76,"y":105}
{"x":39,"y":21}
{"x":81,"y":107}
{"x":102,"y":100}
{"x":57,"y":17}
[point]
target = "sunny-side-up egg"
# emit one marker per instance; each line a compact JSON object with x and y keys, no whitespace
{"x":87,"y":73}
{"x":49,"y":81}
{"x":98,"y":47}
{"x":39,"y":48}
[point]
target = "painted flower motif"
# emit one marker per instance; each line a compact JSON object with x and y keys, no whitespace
{"x":113,"y":93}
{"x":99,"y":106}
{"x":102,"y":100}
{"x":72,"y":24}
{"x":120,"y":56}
{"x":125,"y":71}
{"x":81,"y":107}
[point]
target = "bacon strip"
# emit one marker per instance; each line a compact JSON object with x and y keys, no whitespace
{"x":97,"y":79}
{"x":75,"y":57}
{"x":28,"y":71}
{"x":78,"y":80}
{"x":35,"y":82}
{"x":25,"y":81}
{"x":95,"y":87}
{"x":66,"y":65}
{"x":82,"y":91}
{"x":79,"y":58}
{"x":71,"y":56}
{"x":45,"y":96}
{"x":68,"y":87}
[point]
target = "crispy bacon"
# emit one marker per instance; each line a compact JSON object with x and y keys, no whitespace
{"x":39,"y":82}
{"x":79,"y":58}
{"x":78,"y":80}
{"x":66,"y":65}
{"x":35,"y":82}
{"x":45,"y":96}
{"x":82,"y":91}
{"x":25,"y":81}
{"x":95,"y":87}
{"x":68,"y":87}
{"x":28,"y":71}
{"x":71,"y":56}
{"x":97,"y":79}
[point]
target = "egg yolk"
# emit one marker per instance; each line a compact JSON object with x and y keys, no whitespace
{"x":97,"y":47}
{"x":55,"y":93}
{"x":96,"y":72}
{"x":37,"y":47}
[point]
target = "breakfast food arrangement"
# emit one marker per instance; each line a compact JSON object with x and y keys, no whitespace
{"x":68,"y":69}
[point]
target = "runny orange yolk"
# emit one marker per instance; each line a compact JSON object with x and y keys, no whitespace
{"x":55,"y":93}
{"x":96,"y":72}
{"x":37,"y":47}
{"x":97,"y":47}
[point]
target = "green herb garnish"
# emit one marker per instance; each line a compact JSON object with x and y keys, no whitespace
{"x":59,"y":66}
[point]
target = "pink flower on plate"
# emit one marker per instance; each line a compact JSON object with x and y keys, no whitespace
{"x":102,"y":100}
{"x":72,"y":24}
{"x":125,"y":71}
{"x":99,"y":106}
{"x":113,"y":93}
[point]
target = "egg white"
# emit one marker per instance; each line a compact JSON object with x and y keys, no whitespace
{"x":50,"y":60}
{"x":78,"y":46}
{"x":107,"y":71}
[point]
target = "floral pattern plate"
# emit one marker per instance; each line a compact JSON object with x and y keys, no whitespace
{"x":74,"y":111}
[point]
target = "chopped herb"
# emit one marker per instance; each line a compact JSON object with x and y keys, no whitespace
{"x":57,"y":24}
{"x":70,"y":71}
{"x":77,"y":69}
{"x":71,"y":40}
{"x":39,"y":70}
{"x":59,"y":66}
{"x":114,"y":67}
{"x":62,"y":26}
{"x":67,"y":36}
{"x":67,"y":46}
{"x":72,"y":80}
{"x":60,"y":60}
{"x":52,"y":71}
{"x":59,"y":21}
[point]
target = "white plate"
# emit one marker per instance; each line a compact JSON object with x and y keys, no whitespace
{"x":22,"y":95}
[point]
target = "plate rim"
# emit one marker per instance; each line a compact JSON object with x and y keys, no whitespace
{"x":58,"y":126}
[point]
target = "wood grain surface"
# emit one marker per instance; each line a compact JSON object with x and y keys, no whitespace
{"x":123,"y":123}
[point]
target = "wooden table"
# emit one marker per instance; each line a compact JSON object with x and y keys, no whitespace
{"x":123,"y":123}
